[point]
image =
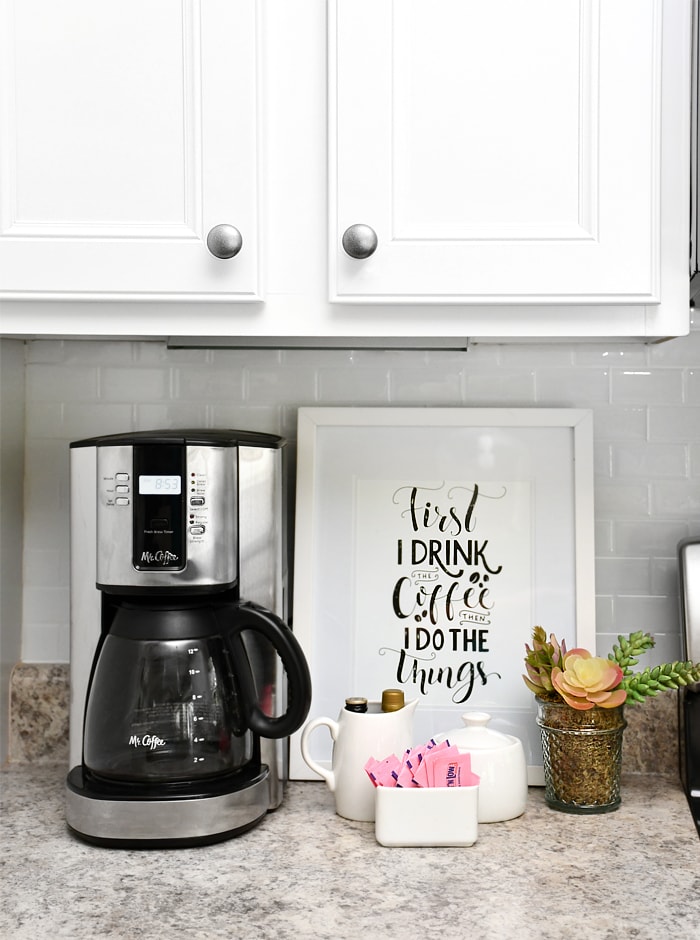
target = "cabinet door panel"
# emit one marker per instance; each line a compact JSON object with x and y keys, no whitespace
{"x":504,"y":152}
{"x":128,"y":131}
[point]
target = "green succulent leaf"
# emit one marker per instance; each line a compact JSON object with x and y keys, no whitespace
{"x":627,"y":650}
{"x":661,"y":678}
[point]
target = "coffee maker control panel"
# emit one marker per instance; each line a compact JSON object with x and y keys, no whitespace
{"x":166,"y":517}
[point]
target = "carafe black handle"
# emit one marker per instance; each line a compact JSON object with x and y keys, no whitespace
{"x":249,"y":616}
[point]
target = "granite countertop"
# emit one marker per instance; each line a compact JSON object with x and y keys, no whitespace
{"x":306,"y":873}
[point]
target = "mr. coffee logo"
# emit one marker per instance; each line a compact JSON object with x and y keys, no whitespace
{"x":150,"y":741}
{"x":159,"y":558}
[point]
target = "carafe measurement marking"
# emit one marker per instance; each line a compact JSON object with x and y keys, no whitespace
{"x":196,"y":697}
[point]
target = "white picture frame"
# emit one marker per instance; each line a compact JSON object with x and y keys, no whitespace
{"x":531,"y":471}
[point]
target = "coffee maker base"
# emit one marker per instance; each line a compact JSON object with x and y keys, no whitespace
{"x":102,"y":816}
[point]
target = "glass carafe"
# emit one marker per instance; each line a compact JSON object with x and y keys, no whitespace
{"x":173,"y":698}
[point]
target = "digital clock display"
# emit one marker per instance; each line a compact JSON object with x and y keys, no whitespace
{"x":160,"y":485}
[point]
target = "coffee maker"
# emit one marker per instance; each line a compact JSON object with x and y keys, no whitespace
{"x":186,"y":681}
{"x":689,"y":696}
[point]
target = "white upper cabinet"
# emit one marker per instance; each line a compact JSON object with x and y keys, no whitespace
{"x":510,"y":153}
{"x":129,"y":132}
{"x":520,"y":167}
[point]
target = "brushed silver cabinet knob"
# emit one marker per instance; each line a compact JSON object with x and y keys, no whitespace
{"x":359,"y":241}
{"x":224,"y":241}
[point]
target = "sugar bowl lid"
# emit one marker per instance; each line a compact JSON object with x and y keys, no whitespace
{"x":477,"y":736}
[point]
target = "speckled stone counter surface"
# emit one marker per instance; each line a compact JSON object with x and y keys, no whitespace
{"x":306,"y":873}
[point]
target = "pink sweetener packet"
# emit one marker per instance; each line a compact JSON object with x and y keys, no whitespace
{"x":437,"y":749}
{"x":415,"y":755}
{"x":370,"y":768}
{"x":383,"y":772}
{"x":433,"y":756}
{"x":423,"y":775}
{"x":420,"y":777}
{"x":404,"y":778}
{"x":454,"y":771}
{"x":377,"y":770}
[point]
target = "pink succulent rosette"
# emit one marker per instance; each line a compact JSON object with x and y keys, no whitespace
{"x":584,"y":681}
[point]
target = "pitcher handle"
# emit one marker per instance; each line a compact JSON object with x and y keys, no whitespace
{"x":327,"y":775}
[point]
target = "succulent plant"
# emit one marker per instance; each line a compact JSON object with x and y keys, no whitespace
{"x":583,"y":680}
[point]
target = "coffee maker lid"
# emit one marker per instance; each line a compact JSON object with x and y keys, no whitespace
{"x":222,"y":437}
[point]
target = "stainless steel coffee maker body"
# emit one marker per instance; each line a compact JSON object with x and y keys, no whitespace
{"x":171,"y":531}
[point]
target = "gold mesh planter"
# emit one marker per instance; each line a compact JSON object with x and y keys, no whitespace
{"x":582,"y":756}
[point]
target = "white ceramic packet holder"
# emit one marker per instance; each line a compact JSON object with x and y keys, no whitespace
{"x":426,"y":816}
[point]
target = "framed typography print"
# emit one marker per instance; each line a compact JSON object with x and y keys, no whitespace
{"x":429,"y":542}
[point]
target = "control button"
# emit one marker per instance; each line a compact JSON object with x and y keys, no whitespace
{"x":196,"y":530}
{"x":122,"y":489}
{"x":196,"y":500}
{"x":159,"y":524}
{"x":121,"y":501}
{"x":122,"y":476}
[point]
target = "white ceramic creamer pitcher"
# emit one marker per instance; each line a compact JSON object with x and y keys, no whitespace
{"x":357,"y":736}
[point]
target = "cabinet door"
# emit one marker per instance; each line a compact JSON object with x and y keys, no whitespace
{"x":503,"y":152}
{"x":127,"y":132}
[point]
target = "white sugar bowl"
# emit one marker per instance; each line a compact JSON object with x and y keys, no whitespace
{"x":499,"y":760}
